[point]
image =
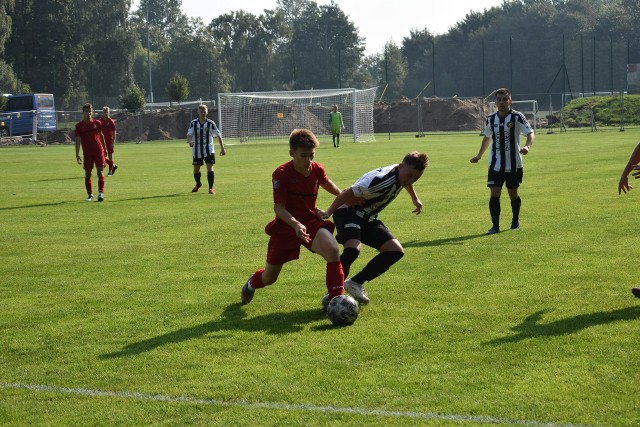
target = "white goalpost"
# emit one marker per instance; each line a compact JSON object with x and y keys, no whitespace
{"x":250,"y":116}
{"x":528,"y":107}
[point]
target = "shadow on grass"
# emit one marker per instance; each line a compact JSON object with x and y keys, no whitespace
{"x":531,"y":328}
{"x":233,"y":318}
{"x":40,"y":205}
{"x":83,"y":201}
{"x":448,"y":241}
{"x":70,"y":178}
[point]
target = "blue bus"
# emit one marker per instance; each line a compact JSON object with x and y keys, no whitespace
{"x":18,"y":117}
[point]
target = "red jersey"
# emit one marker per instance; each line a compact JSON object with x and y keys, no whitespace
{"x":108,"y":129}
{"x":298,"y":192}
{"x":89,"y":136}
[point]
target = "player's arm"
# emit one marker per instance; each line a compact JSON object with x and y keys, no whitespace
{"x":222,"y":150}
{"x":78,"y":158}
{"x":103,"y":142}
{"x":287,"y":218}
{"x":623,"y":185}
{"x":190,"y":136}
{"x":415,"y":199}
{"x":341,"y":199}
{"x":527,"y":146}
{"x":483,"y":147}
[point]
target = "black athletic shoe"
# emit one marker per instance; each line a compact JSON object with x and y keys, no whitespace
{"x":493,"y":230}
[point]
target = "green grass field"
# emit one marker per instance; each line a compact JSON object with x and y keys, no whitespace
{"x":127,"y":312}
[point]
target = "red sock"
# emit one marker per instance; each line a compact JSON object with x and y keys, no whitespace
{"x":101,"y":184}
{"x":88,"y":185}
{"x":335,"y":279}
{"x":109,"y":163}
{"x":256,"y":279}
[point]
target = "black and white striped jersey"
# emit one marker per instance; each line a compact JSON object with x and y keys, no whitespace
{"x":505,"y":134}
{"x":378,"y":188}
{"x":202,"y":135}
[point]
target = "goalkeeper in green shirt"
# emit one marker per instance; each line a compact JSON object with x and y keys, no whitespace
{"x":336,"y":124}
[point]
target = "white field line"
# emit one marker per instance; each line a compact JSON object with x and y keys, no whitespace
{"x":280,"y":406}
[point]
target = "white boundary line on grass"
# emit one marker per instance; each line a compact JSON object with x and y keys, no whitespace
{"x":283,"y":406}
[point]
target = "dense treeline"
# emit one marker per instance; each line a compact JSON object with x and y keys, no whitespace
{"x":96,"y":50}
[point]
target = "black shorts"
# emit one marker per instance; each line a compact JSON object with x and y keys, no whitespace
{"x":208,"y":160}
{"x":497,"y":178}
{"x":351,"y":226}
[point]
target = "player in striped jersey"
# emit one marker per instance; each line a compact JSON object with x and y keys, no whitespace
{"x":624,"y":186}
{"x":502,"y":131}
{"x":200,"y":138}
{"x":359,"y":223}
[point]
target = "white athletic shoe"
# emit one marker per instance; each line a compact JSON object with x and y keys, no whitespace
{"x":357,"y":291}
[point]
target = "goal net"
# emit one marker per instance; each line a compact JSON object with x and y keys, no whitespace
{"x":250,"y":116}
{"x":528,"y":107}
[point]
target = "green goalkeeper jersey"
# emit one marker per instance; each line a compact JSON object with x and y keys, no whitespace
{"x":335,"y":120}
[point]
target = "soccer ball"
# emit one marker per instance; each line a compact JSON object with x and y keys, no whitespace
{"x":343,"y":310}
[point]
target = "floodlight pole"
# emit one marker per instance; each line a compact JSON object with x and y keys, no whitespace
{"x":149,"y":54}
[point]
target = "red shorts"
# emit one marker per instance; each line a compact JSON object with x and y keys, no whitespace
{"x":284,"y":245}
{"x":93,"y":158}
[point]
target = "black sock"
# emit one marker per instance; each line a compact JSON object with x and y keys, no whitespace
{"x":347,"y":258}
{"x":210,"y":178}
{"x":515,"y":208}
{"x":378,"y":265}
{"x":197,"y":177}
{"x":494,"y":209}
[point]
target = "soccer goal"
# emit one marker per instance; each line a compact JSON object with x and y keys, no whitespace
{"x":528,"y":107}
{"x":251,"y":116}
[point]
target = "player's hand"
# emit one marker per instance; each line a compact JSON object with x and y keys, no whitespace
{"x":301,"y":232}
{"x":418,"y":209}
{"x":321,"y":214}
{"x":79,"y":160}
{"x":474,"y":159}
{"x":623,"y":185}
{"x":223,"y":151}
{"x":191,"y":144}
{"x":524,"y":150}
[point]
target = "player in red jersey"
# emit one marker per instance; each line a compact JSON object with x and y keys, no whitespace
{"x":298,"y":222}
{"x":89,"y":135}
{"x":109,"y":132}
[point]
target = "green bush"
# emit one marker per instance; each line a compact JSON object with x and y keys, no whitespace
{"x":178,"y":88}
{"x":133,"y":98}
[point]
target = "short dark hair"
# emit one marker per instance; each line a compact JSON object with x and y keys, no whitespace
{"x":302,"y":138}
{"x":87,"y":106}
{"x":503,"y":91}
{"x":416,"y":160}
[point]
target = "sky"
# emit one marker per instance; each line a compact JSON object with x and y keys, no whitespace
{"x":399,"y":16}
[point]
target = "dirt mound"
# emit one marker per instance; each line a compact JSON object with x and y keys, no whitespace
{"x":426,"y":114}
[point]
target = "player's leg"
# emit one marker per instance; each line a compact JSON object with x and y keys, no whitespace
{"x":325,"y":245}
{"x":348,"y":229}
{"x":87,"y":183}
{"x":110,"y":162}
{"x":259,"y":279}
{"x":281,"y":250}
{"x":495,"y":180}
{"x":513,"y":183}
{"x":390,"y":250}
{"x":100,"y":172}
{"x":197,"y":176}
{"x":210,"y":173}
